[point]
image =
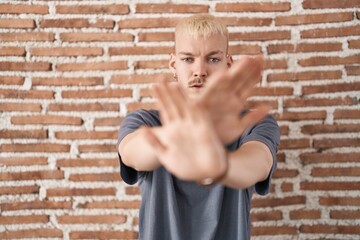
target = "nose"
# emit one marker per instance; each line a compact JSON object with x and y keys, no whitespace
{"x":200,"y":69}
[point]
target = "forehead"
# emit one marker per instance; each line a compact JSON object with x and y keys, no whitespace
{"x":185,"y":42}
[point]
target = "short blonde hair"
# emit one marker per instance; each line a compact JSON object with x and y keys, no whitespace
{"x":202,"y":25}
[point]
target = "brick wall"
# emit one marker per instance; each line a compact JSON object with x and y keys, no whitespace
{"x":70,"y":71}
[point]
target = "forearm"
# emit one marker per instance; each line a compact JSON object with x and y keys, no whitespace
{"x":136,"y":152}
{"x":250,"y":164}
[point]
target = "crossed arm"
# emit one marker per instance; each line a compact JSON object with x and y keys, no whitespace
{"x":190,"y":142}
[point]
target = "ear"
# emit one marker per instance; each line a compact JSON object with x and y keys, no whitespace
{"x":229,"y":60}
{"x":172,"y":63}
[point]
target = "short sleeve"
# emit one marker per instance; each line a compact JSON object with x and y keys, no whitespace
{"x":131,"y":123}
{"x":267,"y":132}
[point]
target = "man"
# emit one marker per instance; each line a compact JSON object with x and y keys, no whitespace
{"x":203,"y":136}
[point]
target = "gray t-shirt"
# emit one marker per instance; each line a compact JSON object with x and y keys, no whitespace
{"x":173,"y":209}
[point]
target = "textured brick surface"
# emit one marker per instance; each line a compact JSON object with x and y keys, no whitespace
{"x":71,"y":70}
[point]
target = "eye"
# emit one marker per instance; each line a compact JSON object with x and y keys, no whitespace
{"x":187,"y":59}
{"x":214,"y":60}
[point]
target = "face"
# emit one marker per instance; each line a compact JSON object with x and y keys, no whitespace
{"x":196,"y":59}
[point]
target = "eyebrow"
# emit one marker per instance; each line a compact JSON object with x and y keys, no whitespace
{"x":209,"y":54}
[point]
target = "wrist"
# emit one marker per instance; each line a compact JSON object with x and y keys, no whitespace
{"x":210,"y":181}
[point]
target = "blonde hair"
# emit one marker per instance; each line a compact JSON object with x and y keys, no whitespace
{"x":202,"y":25}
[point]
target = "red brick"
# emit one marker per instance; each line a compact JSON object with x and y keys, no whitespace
{"x":253,"y":7}
{"x":92,"y":66}
{"x":298,"y":116}
{"x":11,"y":80}
{"x":134,"y":204}
{"x":304,"y":76}
{"x":310,"y":158}
{"x":318,"y":61}
{"x":335,"y":172}
{"x":305,"y":214}
{"x":139,"y":50}
{"x":244,"y":49}
{"x":26,"y":161}
{"x":313,"y":18}
{"x":71,"y":192}
{"x":171,"y":8}
{"x":315,"y":4}
{"x":336,"y":142}
{"x":138,"y":78}
{"x":140,"y":105}
{"x":266,"y":216}
{"x":287,"y":187}
{"x":32,"y":233}
{"x":91,"y":219}
{"x":260,"y":36}
{"x":148,"y":23}
{"x":337,"y":128}
{"x":294,"y":143}
{"x":245,"y":21}
{"x":63,"y":81}
{"x":12,"y":51}
{"x":27,"y":37}
{"x":86,"y":135}
{"x":25,"y":66}
{"x":270,"y":230}
{"x":272,"y":91}
{"x":46,"y":120}
{"x":106,"y":93}
{"x":352,"y":70}
{"x":330,"y":88}
{"x":285,"y":173}
{"x":101,"y":162}
{"x":20,"y":107}
{"x":85,"y":107}
{"x":339,"y":201}
{"x":35,"y":147}
{"x":280,"y":157}
{"x":37,"y":204}
{"x":155,"y":64}
{"x":24,"y":219}
{"x":96,"y":37}
{"x":110,"y":121}
{"x":66,"y":51}
{"x":17,"y":23}
{"x":343,"y":214}
{"x":156,"y":37}
{"x":275,"y":63}
{"x":104,"y":235}
{"x":273,"y":104}
{"x":304,"y":47}
{"x":330,"y":32}
{"x":17,"y":190}
{"x":132,"y":190}
{"x":25,"y":94}
{"x":37,"y":134}
{"x":145,"y":92}
{"x":24,"y":9}
{"x":117,"y":9}
{"x":355,"y":44}
{"x":346,"y":114}
{"x":328,"y":229}
{"x":94,"y":148}
{"x":330,"y":186}
{"x":31,"y":175}
{"x":275,"y":202}
{"x":95,"y":177}
{"x":76,"y":23}
{"x":307,"y":102}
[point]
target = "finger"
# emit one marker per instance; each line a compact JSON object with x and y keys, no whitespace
{"x":180,"y":100}
{"x":154,"y":141}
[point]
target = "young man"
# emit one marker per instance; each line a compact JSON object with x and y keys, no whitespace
{"x":203,"y":136}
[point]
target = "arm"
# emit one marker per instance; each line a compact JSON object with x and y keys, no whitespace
{"x":250,"y":164}
{"x":144,"y":160}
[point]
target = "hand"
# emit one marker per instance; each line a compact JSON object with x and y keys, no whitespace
{"x":225,"y":95}
{"x":187,"y":144}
